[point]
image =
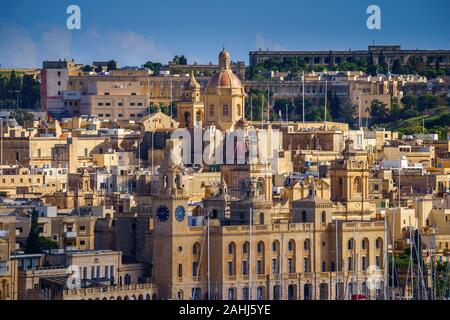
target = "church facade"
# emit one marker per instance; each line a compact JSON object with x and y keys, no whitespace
{"x":243,"y":241}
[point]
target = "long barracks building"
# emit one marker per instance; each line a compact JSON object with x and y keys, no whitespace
{"x":391,"y":52}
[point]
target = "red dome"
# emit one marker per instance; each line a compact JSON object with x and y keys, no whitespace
{"x":224,"y":79}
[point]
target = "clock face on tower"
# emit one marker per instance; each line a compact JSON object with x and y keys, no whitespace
{"x":180,"y":213}
{"x":162,"y":213}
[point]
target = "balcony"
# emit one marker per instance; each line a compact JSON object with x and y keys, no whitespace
{"x":70,"y":235}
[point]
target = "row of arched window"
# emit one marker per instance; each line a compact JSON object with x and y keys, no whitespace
{"x":291,"y":246}
{"x":365,"y":244}
{"x":260,"y":247}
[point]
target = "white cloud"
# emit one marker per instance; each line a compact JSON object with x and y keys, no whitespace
{"x":56,"y":43}
{"x":17,"y":49}
{"x":264,"y":43}
{"x":132,"y":48}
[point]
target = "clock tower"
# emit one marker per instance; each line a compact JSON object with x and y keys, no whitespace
{"x":170,"y":214}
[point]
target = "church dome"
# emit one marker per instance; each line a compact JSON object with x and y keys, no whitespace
{"x":224,"y":79}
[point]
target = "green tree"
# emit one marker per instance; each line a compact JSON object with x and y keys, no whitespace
{"x":112,"y":65}
{"x":180,"y":60}
{"x":33,"y":243}
{"x":99,"y":69}
{"x":87,"y":68}
{"x":415,"y":65}
{"x":397,"y":67}
{"x":30,"y":92}
{"x":349,"y":115}
{"x":3,"y":91}
{"x":396,"y":110}
{"x":335,"y":107}
{"x":382,"y":62}
{"x":427,"y":102}
{"x":282,"y":105}
{"x":298,"y":102}
{"x":14,"y":83}
{"x":379,"y":112}
{"x":372,"y":69}
{"x":258,"y":99}
{"x":154,"y":66}
{"x":317,"y":113}
{"x":47,"y":244}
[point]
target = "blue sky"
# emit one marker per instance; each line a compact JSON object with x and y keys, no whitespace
{"x":136,"y":31}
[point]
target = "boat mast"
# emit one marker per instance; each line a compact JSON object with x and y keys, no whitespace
{"x":337,"y":258}
{"x":209,"y":264}
{"x":385,"y":260}
{"x":281,"y":267}
{"x":250,"y":247}
{"x":303,"y":95}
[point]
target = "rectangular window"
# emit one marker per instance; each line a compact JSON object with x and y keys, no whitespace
{"x":245,"y":267}
{"x":111,"y":271}
{"x":290,"y":266}
{"x":305,"y":264}
{"x":245,"y":293}
{"x":98,"y":272}
{"x":194,"y":269}
{"x":230,"y":268}
{"x":259,"y":267}
{"x":275,"y":266}
{"x":363,"y":263}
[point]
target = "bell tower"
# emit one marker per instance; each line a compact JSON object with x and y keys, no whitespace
{"x":190,"y":111}
{"x":350,"y":180}
{"x":170,"y":216}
